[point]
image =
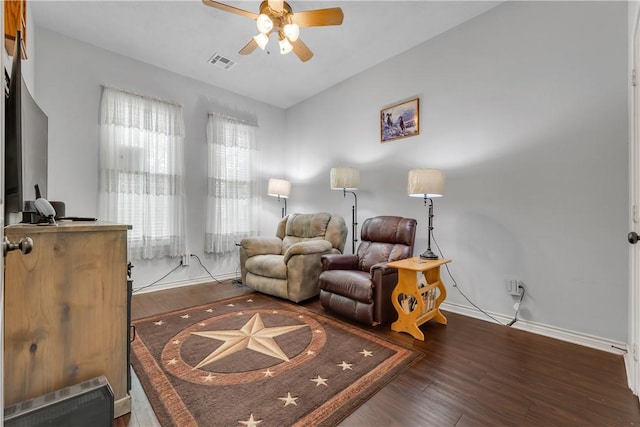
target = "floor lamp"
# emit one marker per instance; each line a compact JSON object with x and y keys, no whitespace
{"x":427,"y":183}
{"x":280,"y":188}
{"x":348,"y":179}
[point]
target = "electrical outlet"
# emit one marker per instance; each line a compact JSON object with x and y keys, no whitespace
{"x":513,"y":286}
{"x":185,"y":260}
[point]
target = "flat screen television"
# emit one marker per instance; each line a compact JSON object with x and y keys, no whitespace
{"x":26,"y":136}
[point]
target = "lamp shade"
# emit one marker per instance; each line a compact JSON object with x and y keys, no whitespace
{"x":279,"y":188}
{"x":264,"y":23}
{"x":292,"y":31}
{"x":285,"y":46}
{"x":261,"y":40}
{"x":345,"y":178}
{"x":425,"y":183}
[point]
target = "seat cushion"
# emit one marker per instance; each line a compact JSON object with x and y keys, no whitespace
{"x":352,"y":284}
{"x":268,"y":266}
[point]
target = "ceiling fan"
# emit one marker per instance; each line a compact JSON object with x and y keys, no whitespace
{"x":277,"y":16}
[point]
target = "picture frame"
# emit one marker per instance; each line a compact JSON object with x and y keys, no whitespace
{"x":399,"y":121}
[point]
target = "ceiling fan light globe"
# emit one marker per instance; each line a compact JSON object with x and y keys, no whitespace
{"x":261,"y":40}
{"x":292,"y":31}
{"x":264,"y":23}
{"x":285,"y":46}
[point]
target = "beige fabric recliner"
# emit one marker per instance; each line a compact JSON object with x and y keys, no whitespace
{"x":288,"y":265}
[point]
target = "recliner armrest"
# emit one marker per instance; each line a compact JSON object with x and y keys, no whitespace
{"x":382,"y":268}
{"x":339,"y":262}
{"x":262,"y":245}
{"x":307,"y":247}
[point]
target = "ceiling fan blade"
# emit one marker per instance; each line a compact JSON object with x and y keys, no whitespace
{"x":301,"y":50}
{"x":227,"y":8}
{"x":249,"y":47}
{"x":276,"y":5}
{"x":318,"y":17}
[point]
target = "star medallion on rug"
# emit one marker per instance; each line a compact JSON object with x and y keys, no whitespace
{"x":256,"y":360}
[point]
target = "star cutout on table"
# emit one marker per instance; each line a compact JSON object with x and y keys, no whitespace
{"x":202,"y":324}
{"x":172,"y":361}
{"x":317,"y":331}
{"x":253,"y":336}
{"x":209,"y":377}
{"x":175,"y":342}
{"x":289,"y":400}
{"x":209,"y":310}
{"x":319,"y":380}
{"x":268,"y":373}
{"x":239,"y":313}
{"x":344,"y":365}
{"x":159,"y":323}
{"x":186,"y":316}
{"x":310,"y":352}
{"x":231,"y":305}
{"x":249,"y":300}
{"x":250,"y":422}
{"x":274,"y":312}
{"x":366,"y":353}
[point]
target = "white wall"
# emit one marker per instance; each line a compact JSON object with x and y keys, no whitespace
{"x":525,"y":108}
{"x":69,"y":75}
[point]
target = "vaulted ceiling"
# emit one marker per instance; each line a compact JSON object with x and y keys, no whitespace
{"x":182,"y":36}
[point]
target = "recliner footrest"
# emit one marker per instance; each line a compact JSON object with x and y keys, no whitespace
{"x":355,"y":285}
{"x":347,"y":307}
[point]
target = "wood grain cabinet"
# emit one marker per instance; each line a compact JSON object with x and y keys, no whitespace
{"x":67,"y":306}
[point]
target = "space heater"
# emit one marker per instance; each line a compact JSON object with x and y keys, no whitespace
{"x":89,"y":403}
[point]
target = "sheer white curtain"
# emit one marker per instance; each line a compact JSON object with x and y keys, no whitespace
{"x":232,"y":197}
{"x":142,"y":172}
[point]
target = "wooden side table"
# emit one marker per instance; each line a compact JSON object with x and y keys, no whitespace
{"x":414,"y":303}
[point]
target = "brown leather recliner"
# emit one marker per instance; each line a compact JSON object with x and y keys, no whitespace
{"x":359,"y":286}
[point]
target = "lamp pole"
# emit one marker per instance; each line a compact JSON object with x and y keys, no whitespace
{"x":354,"y":219}
{"x":284,"y":208}
{"x":428,"y":254}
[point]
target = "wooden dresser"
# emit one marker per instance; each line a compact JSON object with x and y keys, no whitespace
{"x":67,"y":310}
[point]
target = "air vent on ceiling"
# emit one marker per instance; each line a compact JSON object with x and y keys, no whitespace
{"x":222,"y":61}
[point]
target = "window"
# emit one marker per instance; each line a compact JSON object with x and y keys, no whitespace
{"x":142,"y":172}
{"x":232,"y":200}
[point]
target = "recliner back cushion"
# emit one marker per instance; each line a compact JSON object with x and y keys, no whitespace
{"x":389,"y":229}
{"x":385,"y":239}
{"x":301,"y":227}
{"x":370,"y":253}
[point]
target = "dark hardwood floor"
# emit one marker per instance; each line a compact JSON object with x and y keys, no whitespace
{"x":473,"y":373}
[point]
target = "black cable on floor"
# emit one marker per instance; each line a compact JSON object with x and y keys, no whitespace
{"x":205,"y":268}
{"x":151,"y":284}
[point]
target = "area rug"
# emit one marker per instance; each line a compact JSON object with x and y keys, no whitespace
{"x":255,"y":360}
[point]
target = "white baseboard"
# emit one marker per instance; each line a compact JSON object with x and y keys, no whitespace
{"x":632,"y":374}
{"x":604,"y":344}
{"x":182,"y":283}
